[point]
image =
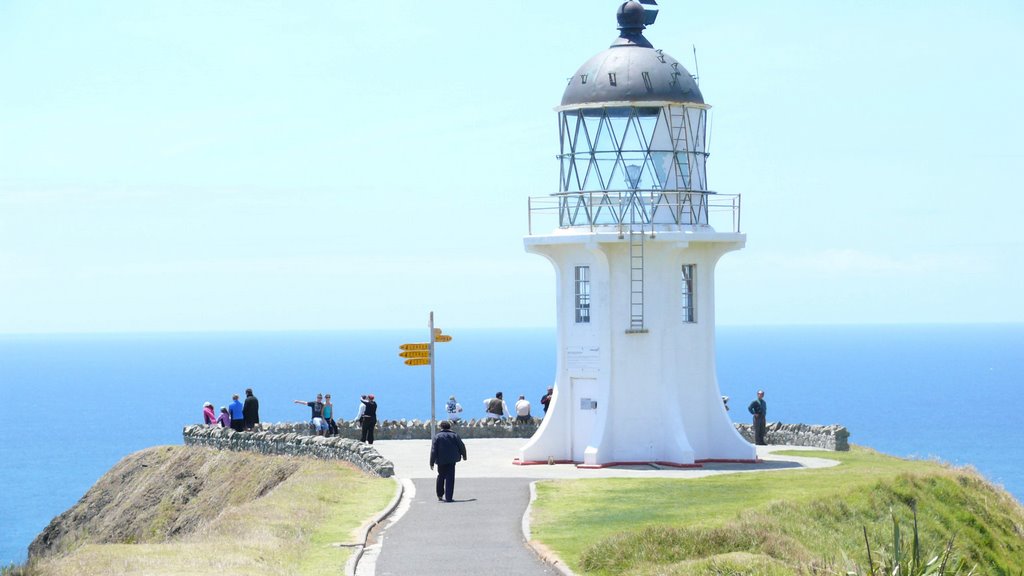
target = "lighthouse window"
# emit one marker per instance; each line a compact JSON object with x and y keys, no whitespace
{"x":689,"y":276}
{"x":582,"y":294}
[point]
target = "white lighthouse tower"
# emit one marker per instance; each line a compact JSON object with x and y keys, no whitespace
{"x":635,"y":235}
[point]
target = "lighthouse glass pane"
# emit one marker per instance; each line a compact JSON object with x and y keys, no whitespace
{"x":591,"y":128}
{"x":568,"y":172}
{"x":582,"y":282}
{"x":631,"y":140}
{"x":606,"y":137}
{"x":682,"y":168}
{"x":689,"y":313}
{"x":646,"y":124}
{"x":661,"y":163}
{"x":588,"y":179}
{"x":605,"y":165}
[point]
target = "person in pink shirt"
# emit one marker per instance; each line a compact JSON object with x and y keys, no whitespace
{"x":209,"y":418}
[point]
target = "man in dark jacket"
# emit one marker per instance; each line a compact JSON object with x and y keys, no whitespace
{"x":545,"y":400}
{"x":368,"y":419}
{"x":445,"y":451}
{"x":759,"y":408}
{"x":250,"y":410}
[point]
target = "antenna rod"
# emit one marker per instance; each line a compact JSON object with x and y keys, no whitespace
{"x":696,"y":67}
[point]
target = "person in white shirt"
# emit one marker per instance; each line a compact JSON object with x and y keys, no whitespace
{"x":523,"y":411}
{"x":453,"y":408}
{"x":496,"y":407}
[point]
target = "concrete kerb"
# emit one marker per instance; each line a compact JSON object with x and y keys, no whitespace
{"x":539,"y":549}
{"x":498,"y":466}
{"x":353,"y":561}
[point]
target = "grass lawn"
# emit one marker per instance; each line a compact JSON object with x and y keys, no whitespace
{"x":779,"y":522}
{"x":292,"y":529}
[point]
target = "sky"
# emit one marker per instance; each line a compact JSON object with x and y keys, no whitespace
{"x":190,"y":165}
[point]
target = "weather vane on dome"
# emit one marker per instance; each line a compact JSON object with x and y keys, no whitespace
{"x":650,"y":11}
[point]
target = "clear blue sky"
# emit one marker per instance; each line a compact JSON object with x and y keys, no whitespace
{"x":196,"y":165}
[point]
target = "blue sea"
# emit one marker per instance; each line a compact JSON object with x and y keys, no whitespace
{"x":73,"y":405}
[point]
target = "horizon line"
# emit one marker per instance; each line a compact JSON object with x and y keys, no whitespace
{"x":212,"y":331}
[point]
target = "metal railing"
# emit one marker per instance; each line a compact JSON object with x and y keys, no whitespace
{"x":625,"y":210}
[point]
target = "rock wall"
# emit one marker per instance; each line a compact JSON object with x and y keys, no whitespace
{"x":291,"y":444}
{"x":832,"y":437}
{"x":416,"y":429}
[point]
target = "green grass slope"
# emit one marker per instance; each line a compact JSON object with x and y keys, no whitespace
{"x":186,"y":510}
{"x":782,"y":522}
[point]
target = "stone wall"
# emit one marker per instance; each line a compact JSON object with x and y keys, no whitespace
{"x":296,"y":438}
{"x":416,"y":429}
{"x":291,"y":444}
{"x":832,"y":437}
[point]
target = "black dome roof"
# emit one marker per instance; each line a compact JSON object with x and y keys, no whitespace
{"x":631,"y":70}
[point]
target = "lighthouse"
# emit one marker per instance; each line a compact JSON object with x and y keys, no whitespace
{"x":634,"y":234}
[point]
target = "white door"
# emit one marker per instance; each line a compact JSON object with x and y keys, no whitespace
{"x":584,"y":412}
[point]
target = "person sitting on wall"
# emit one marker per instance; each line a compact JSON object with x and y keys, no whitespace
{"x":225,"y":418}
{"x":317,"y":418}
{"x":209,"y":417}
{"x":332,"y":426}
{"x":496,"y":407}
{"x":523,"y":411}
{"x":453,"y":409}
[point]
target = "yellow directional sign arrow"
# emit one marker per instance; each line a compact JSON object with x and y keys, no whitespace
{"x":442,"y":338}
{"x":415,"y":346}
{"x":415,"y":354}
{"x":417,"y":361}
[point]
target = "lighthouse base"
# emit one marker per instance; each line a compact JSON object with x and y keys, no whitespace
{"x":635,"y":379}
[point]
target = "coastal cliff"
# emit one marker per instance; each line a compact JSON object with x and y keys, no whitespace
{"x":189,"y":509}
{"x":160,"y":494}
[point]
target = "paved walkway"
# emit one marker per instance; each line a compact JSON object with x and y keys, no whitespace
{"x":481,"y":532}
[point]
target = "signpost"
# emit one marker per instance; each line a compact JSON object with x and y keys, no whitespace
{"x":422,"y":354}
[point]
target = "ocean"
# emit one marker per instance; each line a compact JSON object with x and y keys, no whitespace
{"x":71,"y":406}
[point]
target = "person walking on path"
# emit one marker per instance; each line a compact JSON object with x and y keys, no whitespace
{"x":446,"y":450}
{"x":250,"y":410}
{"x":317,"y":415}
{"x":759,"y":408}
{"x":237,"y":417}
{"x":496,"y":407}
{"x":368,"y":418}
{"x":523,"y":411}
{"x":545,"y":400}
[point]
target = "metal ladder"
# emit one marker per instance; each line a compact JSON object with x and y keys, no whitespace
{"x":687,"y":211}
{"x":636,"y":280}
